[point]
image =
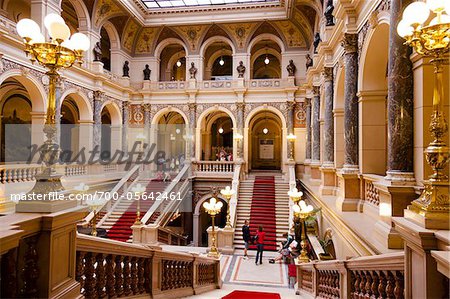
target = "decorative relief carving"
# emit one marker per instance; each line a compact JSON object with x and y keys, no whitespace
{"x":145,"y":40}
{"x":136,"y":114}
{"x":192,"y":34}
{"x":300,"y":115}
{"x":350,"y":43}
{"x":292,"y":34}
{"x":362,"y":34}
{"x":105,"y":9}
{"x":129,"y":33}
{"x":240,"y":32}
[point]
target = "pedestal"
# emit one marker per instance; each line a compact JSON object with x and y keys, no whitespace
{"x":348,"y":196}
{"x":307,"y":167}
{"x":316,"y":174}
{"x":192,"y":84}
{"x":125,"y":81}
{"x":146,"y":85}
{"x":328,"y":182}
{"x":291,"y":81}
{"x":240,"y":82}
{"x":97,"y":67}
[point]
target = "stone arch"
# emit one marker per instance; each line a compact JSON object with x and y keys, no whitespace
{"x":256,"y":110}
{"x":113,"y":35}
{"x":216,"y":108}
{"x":266,"y":36}
{"x":32,"y":85}
{"x":197,"y":233}
{"x":214,"y":39}
{"x":338,"y":113}
{"x":168,"y":41}
{"x":82,"y":12}
{"x":115,"y":112}
{"x":161,"y":112}
{"x":83,"y":104}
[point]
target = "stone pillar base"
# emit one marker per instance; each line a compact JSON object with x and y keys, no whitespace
{"x":328,"y":183}
{"x":224,"y":239}
{"x":348,"y":195}
{"x":316,"y":174}
{"x":386,"y":235}
{"x":307,"y":171}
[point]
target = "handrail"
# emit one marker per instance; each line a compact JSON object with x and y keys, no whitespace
{"x":378,"y":276}
{"x":292,"y":185}
{"x":120,"y":189}
{"x":234,"y":198}
{"x":183,"y":173}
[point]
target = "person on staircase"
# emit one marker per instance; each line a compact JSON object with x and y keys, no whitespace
{"x":246,"y":236}
{"x":260,"y":235}
{"x":290,"y":252}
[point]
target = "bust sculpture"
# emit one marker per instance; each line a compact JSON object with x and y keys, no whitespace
{"x":241,"y":69}
{"x":193,"y":70}
{"x":291,"y":68}
{"x":317,"y":41}
{"x":126,"y":69}
{"x":329,"y":13}
{"x":309,"y":61}
{"x":97,"y":52}
{"x":147,"y":71}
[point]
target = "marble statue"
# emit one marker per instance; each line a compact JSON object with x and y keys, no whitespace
{"x":241,"y":69}
{"x":309,"y":61}
{"x":97,"y":52}
{"x":126,"y":69}
{"x":193,"y":70}
{"x":147,"y":71}
{"x":291,"y":68}
{"x":329,"y":13}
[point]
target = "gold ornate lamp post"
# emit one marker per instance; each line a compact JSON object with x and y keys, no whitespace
{"x":228,"y":193}
{"x":213,"y":208}
{"x":59,"y":52}
{"x":432,"y":39}
{"x":303,"y":211}
{"x":238,"y":137}
{"x":291,"y":138}
{"x":95,"y":203}
{"x":295,"y":195}
{"x":137,"y":192}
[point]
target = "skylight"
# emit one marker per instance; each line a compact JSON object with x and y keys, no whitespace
{"x":151,"y":4}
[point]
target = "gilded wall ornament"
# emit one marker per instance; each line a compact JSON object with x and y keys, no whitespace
{"x":129,"y":34}
{"x":145,"y":40}
{"x":105,"y":9}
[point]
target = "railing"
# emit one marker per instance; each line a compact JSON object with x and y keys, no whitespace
{"x":170,"y":85}
{"x":107,"y":268}
{"x":378,"y":276}
{"x":235,"y":187}
{"x":166,"y":236}
{"x":118,"y":190}
{"x":213,"y":166}
{"x":292,"y":185}
{"x":217,"y":84}
{"x":265,"y":83}
{"x":371,"y":193}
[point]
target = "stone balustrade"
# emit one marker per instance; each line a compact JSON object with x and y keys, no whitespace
{"x":378,"y":276}
{"x":225,"y":167}
{"x":371,"y":193}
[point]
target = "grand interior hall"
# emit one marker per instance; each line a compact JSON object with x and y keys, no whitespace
{"x":235,"y":149}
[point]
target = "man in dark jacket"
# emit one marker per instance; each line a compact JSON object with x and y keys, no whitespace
{"x":246,"y":237}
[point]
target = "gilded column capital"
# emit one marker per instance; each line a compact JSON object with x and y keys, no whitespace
{"x":240,"y":105}
{"x":290,"y":105}
{"x":192,"y":106}
{"x":98,"y":95}
{"x":147,"y":107}
{"x":328,"y":73}
{"x":350,"y":43}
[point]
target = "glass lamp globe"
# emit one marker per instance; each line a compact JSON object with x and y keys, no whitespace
{"x":38,"y":38}
{"x":445,"y":19}
{"x":265,"y":130}
{"x":404,"y":29}
{"x":447,"y":7}
{"x":416,"y":13}
{"x":267,"y":61}
{"x":221,"y":62}
{"x":59,"y":31}
{"x":220,"y":130}
{"x":28,"y":28}
{"x":178,"y":63}
{"x":80,"y":41}
{"x":436,"y":5}
{"x":52,"y":18}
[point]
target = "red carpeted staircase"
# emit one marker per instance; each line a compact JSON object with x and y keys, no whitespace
{"x":262,"y":210}
{"x":121,"y":220}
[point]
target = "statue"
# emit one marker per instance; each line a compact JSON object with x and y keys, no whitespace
{"x":328,"y":246}
{"x":147,"y":71}
{"x":97,"y":52}
{"x":309,"y":61}
{"x":241,"y":69}
{"x":317,"y":41}
{"x":291,"y":68}
{"x":329,"y":13}
{"x":126,"y":69}
{"x":193,"y":70}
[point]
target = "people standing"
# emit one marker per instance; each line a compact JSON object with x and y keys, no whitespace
{"x":246,"y":236}
{"x":260,"y":235}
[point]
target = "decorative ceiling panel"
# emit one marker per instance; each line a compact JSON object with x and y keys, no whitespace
{"x":154,"y":4}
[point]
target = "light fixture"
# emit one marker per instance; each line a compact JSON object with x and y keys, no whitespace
{"x":267,"y":61}
{"x":178,"y":131}
{"x":213,"y":208}
{"x":220,"y":130}
{"x":302,"y":212}
{"x":228,"y":193}
{"x":291,"y":138}
{"x":221,"y":61}
{"x":265,"y":131}
{"x":178,"y":63}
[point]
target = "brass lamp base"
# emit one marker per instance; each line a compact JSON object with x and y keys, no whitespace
{"x":213,"y":253}
{"x":303,"y":258}
{"x":431,"y":210}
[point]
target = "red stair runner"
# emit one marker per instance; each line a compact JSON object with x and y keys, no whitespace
{"x":121,"y":230}
{"x":262,"y":210}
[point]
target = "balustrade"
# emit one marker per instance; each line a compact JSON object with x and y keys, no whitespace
{"x":214,"y":166}
{"x":371,"y":193}
{"x":379,"y":277}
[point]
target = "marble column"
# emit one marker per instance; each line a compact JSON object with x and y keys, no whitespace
{"x":316,"y":125}
{"x":350,"y":44}
{"x":125,"y":116}
{"x":308,"y":131}
{"x":147,"y":120}
{"x":240,"y":125}
{"x":98,"y":98}
{"x":192,"y":120}
{"x":328,"y":134}
{"x":400,"y":102}
{"x":328,"y":181}
{"x":349,"y":190}
{"x":290,"y":107}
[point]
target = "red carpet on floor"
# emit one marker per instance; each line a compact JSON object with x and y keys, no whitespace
{"x":251,"y":295}
{"x":121,"y":230}
{"x":262,"y":210}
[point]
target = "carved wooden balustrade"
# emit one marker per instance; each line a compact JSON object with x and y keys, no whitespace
{"x":378,"y":276}
{"x":107,"y":268}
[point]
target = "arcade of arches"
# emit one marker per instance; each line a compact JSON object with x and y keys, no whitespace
{"x":176,"y":100}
